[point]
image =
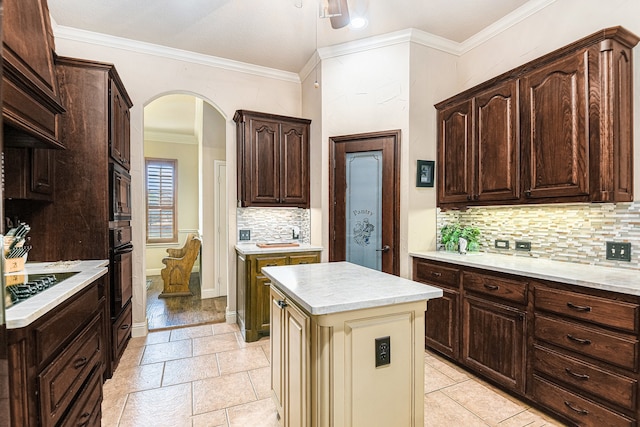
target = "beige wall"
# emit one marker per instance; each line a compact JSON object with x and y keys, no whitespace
{"x":186,"y":156}
{"x":146,"y":77}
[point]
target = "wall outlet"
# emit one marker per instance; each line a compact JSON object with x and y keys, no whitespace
{"x":619,"y":251}
{"x":523,"y":246}
{"x":383,"y":351}
{"x":245,"y":235}
{"x":501,"y":244}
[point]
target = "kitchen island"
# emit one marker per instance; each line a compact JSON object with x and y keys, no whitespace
{"x":347,"y":345}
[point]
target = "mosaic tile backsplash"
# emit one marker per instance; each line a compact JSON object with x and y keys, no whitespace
{"x":269,"y":225}
{"x":574,"y":233}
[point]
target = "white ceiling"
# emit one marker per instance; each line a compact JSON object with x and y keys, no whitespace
{"x":271,"y":33}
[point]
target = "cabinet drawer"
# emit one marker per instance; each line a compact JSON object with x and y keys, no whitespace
{"x":303,"y":259}
{"x":615,"y":314}
{"x":511,"y":290}
{"x":587,"y":377}
{"x":582,"y":411}
{"x":62,"y":379}
{"x":55,"y":332}
{"x":427,"y":272}
{"x":269,"y":262}
{"x":614,"y":349}
{"x":87,"y":410}
{"x":121,"y":331}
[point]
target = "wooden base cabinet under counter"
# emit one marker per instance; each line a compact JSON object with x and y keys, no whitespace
{"x":253,"y":287}
{"x":56,"y":363}
{"x":564,"y":336}
{"x":585,"y":355}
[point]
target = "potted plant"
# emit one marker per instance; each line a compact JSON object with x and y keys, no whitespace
{"x":450,"y":236}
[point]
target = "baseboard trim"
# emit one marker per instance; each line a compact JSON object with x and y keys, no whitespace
{"x":139,"y":329}
{"x":231,"y":316}
{"x":208,"y":293}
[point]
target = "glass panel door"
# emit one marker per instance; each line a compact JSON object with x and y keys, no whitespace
{"x":364,"y":208}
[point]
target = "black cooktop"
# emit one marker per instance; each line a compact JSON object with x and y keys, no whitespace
{"x":32,"y":284}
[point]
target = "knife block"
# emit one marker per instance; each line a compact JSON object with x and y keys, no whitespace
{"x":12,"y":265}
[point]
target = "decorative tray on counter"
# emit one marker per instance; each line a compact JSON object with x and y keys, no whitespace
{"x":277,"y":244}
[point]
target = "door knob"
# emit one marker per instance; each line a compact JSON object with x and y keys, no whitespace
{"x":385,"y":248}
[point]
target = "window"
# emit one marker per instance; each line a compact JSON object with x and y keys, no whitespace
{"x":161,"y":175}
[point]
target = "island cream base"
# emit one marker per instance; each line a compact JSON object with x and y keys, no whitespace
{"x":323,"y":367}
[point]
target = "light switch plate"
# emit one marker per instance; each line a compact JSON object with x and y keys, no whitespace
{"x":245,"y":235}
{"x":523,"y":246}
{"x":501,"y":244}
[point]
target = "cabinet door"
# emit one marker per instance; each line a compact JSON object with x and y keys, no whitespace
{"x":119,"y":138}
{"x":455,"y":153}
{"x":497,"y":141}
{"x":262,"y":303}
{"x":555,"y":130}
{"x":297,"y":367}
{"x":277,"y":348}
{"x":494,"y":341}
{"x":264,"y":162}
{"x":42,"y":171}
{"x":441,"y":324}
{"x":294,"y":164}
{"x":29,"y":173}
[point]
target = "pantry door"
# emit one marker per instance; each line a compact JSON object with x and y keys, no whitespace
{"x":364,"y":198}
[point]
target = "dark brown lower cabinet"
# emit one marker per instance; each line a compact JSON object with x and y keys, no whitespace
{"x":493,"y":341}
{"x":441,"y":325}
{"x":56,"y":364}
{"x":573,"y":351}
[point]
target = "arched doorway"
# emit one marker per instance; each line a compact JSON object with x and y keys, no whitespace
{"x":184,"y":142}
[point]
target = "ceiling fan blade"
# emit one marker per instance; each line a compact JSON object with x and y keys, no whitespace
{"x":340,"y":11}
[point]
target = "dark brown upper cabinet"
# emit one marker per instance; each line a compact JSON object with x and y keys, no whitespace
{"x":30,"y":94}
{"x":119,"y":138}
{"x":557,"y":129}
{"x":29,"y":175}
{"x":273,"y":160}
{"x":479,"y":151}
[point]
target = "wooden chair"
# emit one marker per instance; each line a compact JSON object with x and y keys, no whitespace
{"x":178,"y":266}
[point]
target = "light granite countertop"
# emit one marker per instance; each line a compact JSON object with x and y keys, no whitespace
{"x":335,"y":287}
{"x":31,"y":309}
{"x":252,"y":249}
{"x":591,"y":276}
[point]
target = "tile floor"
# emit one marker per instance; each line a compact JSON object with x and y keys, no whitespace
{"x":208,"y":376}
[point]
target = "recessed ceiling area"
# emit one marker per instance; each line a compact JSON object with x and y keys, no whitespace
{"x":279,"y":34}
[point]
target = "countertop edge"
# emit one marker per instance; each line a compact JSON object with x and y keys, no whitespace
{"x":585,"y":275}
{"x":252,"y":249}
{"x":426,"y":293}
{"x":27,"y":312}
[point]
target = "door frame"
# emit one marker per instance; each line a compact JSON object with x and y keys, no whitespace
{"x":358,"y":138}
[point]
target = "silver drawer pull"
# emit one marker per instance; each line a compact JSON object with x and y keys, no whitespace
{"x":579,"y":376}
{"x":436,"y":274}
{"x":578,"y":340}
{"x":282,"y":303}
{"x":578,"y":307}
{"x":492,"y":287}
{"x":124,"y":327}
{"x":578,"y":410}
{"x":79,"y":363}
{"x":84,"y":416}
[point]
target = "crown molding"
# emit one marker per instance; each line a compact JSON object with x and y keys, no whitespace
{"x":426,"y":39}
{"x":520,"y":14}
{"x":75,"y":34}
{"x":170,"y":137}
{"x":411,"y":35}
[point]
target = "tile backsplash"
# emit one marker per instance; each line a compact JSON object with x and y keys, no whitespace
{"x":273,"y":224}
{"x":572,"y":232}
